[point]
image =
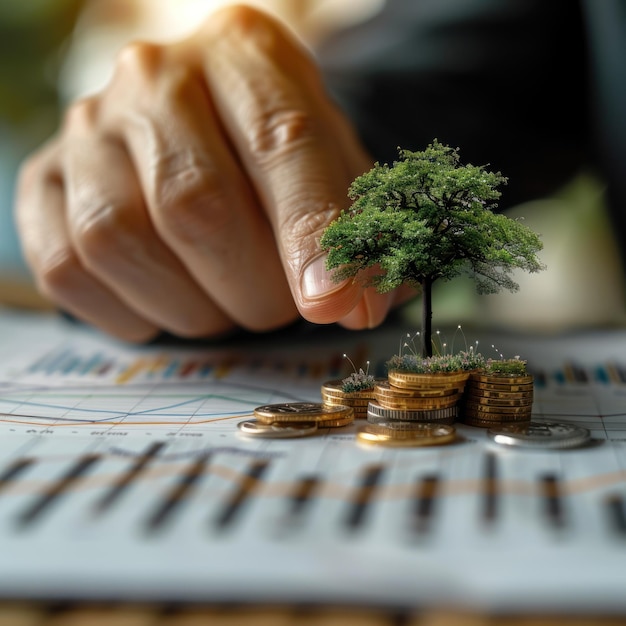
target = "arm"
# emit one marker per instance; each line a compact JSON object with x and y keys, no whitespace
{"x":506,"y":81}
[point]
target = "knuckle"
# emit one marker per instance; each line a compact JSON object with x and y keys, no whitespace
{"x":56,"y":270}
{"x":82,"y":114}
{"x":103,"y":234}
{"x":275,"y":134}
{"x":305,"y":223}
{"x":241,"y":24}
{"x":30,"y":170}
{"x":190,"y":202}
{"x":140,"y":58}
{"x":238,"y":20}
{"x":42,"y":165}
{"x":306,"y":220}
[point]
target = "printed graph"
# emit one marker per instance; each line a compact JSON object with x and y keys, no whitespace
{"x":123,"y":475}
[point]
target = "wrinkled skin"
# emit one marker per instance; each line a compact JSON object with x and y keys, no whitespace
{"x":190,"y":195}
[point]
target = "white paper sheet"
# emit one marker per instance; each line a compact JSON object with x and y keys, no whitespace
{"x":122,"y":475}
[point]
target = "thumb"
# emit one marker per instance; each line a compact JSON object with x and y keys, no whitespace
{"x":318,"y":297}
{"x":347,"y":303}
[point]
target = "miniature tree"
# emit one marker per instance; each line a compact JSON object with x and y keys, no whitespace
{"x":428,"y":218}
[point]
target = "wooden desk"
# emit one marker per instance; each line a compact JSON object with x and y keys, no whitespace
{"x":26,"y":614}
{"x":21,"y":613}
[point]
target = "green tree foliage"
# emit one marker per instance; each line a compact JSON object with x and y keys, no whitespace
{"x":426,"y":218}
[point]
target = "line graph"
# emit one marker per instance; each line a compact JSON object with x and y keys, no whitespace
{"x":72,"y":405}
{"x":122,"y":474}
{"x":327,"y":488}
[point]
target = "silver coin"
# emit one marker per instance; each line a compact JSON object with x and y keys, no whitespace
{"x":300,"y":408}
{"x":377,"y":413}
{"x":277,"y":430}
{"x":398,"y":426}
{"x":540,"y":435}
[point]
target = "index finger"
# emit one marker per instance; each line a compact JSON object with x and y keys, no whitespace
{"x":299,"y":156}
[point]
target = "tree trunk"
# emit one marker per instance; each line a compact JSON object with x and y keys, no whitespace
{"x":427,"y":317}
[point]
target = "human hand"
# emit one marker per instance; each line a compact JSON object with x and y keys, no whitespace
{"x":191,"y":193}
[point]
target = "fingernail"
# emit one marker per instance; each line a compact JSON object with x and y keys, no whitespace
{"x":317,"y":281}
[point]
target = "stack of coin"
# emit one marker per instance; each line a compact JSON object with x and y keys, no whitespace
{"x":424,"y":399}
{"x":440,"y":380}
{"x":334,"y":395}
{"x":277,"y":430}
{"x":406,"y":434}
{"x":417,"y":398}
{"x":490,"y":400}
{"x":378,"y":414}
{"x":288,"y":413}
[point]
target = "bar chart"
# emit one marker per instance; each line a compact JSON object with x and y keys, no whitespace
{"x":123,"y":475}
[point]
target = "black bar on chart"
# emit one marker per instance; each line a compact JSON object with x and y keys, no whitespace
{"x":52,"y":495}
{"x":490,"y":489}
{"x":246,"y":488}
{"x":552,"y":500}
{"x":363,"y":496}
{"x":13,"y":472}
{"x":424,"y":502}
{"x":575,"y":373}
{"x":302,"y":496}
{"x":617,"y":513}
{"x":127,"y":478}
{"x":179,"y":493}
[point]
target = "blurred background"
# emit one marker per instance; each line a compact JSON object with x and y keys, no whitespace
{"x":32,"y":39}
{"x":52,"y":51}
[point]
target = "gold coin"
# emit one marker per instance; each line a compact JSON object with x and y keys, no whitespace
{"x":498,"y":402}
{"x":422,"y":434}
{"x":418,"y":404}
{"x":484,"y":408}
{"x":515,"y":428}
{"x":495,"y":379}
{"x":499,"y":395}
{"x":336,"y":423}
{"x":480,"y":423}
{"x":353,"y":402}
{"x":376,"y":413}
{"x":496,"y":417}
{"x":333,"y":388}
{"x":385,"y":389}
{"x":500,"y":386}
{"x":277,"y":430}
{"x":443,"y":380}
{"x":302,"y":412}
{"x":360,"y":412}
{"x":404,"y":430}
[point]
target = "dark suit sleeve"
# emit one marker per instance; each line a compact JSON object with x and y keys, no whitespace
{"x":606,"y":30}
{"x":505,"y":80}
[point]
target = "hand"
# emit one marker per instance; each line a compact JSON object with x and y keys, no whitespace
{"x":191,"y":193}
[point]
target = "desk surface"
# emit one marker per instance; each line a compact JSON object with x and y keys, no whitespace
{"x":118,"y":465}
{"x":21,"y":614}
